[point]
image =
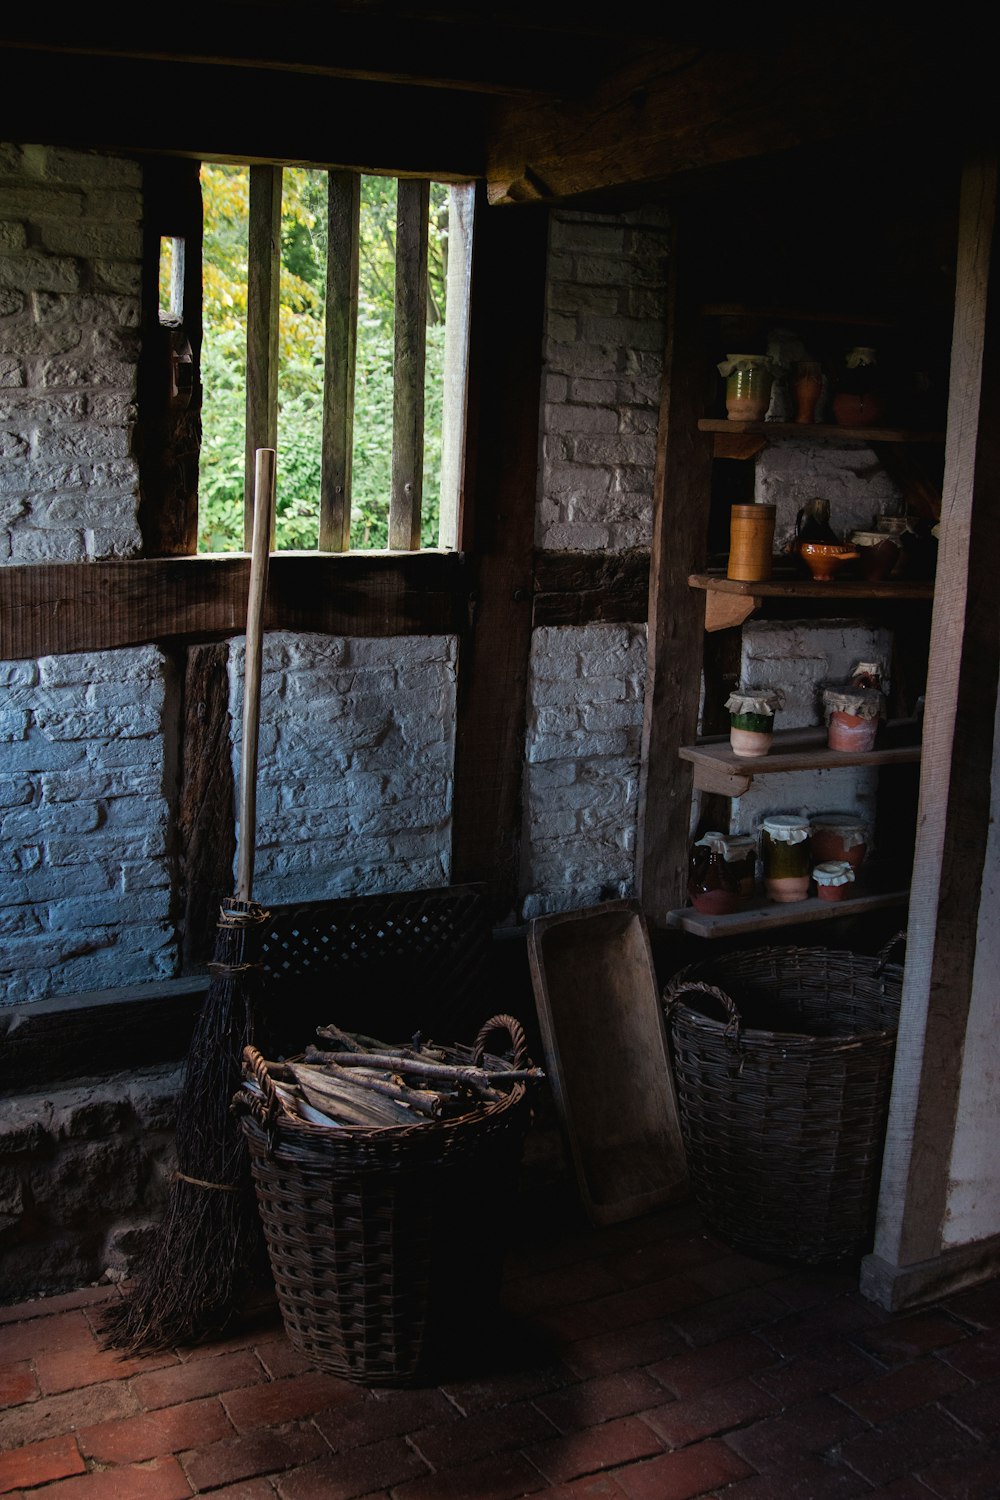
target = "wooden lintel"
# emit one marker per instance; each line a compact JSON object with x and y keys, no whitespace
{"x":99,"y":606}
{"x":578,"y":588}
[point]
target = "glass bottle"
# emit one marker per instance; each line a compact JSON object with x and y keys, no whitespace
{"x":712,"y":883}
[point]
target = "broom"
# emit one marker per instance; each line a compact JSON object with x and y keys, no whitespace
{"x":210,"y":1243}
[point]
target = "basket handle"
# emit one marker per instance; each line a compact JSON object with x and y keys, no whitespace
{"x":267,"y":1105}
{"x":516,"y":1033}
{"x":886,"y":949}
{"x":672,"y":995}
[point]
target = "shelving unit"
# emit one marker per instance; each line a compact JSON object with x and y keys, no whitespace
{"x":729,"y":602}
{"x":717,"y":769}
{"x":763,"y":916}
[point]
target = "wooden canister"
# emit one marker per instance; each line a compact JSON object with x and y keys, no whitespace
{"x":751,"y":542}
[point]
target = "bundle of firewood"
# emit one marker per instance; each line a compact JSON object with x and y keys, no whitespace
{"x":356,"y":1080}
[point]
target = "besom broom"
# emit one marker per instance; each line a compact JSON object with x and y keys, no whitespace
{"x":210,"y":1243}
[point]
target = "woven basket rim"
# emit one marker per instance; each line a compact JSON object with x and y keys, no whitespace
{"x":694,"y":1018}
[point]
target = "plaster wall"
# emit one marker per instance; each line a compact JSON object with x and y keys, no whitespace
{"x":972,"y":1211}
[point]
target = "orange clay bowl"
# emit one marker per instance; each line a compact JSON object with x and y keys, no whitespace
{"x":825,"y":559}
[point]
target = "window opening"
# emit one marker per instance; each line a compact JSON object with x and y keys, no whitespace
{"x":366,"y":424}
{"x":171,"y":279}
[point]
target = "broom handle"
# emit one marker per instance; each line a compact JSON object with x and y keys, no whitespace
{"x":263,"y":511}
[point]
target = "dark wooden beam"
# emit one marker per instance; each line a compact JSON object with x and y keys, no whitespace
{"x":205,"y":825}
{"x":577,"y":588}
{"x":239,"y":115}
{"x":685,"y":109}
{"x":342,"y":255}
{"x":408,"y":365}
{"x":103,"y":605}
{"x":682,"y":490}
{"x":508,"y":282}
{"x":263,"y":305}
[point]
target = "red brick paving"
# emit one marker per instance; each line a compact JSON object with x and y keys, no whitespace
{"x":646,"y":1361}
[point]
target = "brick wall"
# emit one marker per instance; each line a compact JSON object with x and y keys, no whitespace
{"x":355,"y":773}
{"x":604,"y":339}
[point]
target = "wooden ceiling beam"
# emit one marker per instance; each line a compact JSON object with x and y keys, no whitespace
{"x":240,"y":114}
{"x":689,"y":110}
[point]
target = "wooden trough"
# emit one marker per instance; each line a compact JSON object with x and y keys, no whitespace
{"x":607,"y":1058}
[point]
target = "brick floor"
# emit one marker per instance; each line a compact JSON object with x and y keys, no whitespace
{"x":646,"y":1361}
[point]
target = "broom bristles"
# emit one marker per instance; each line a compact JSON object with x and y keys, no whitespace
{"x":210,"y":1242}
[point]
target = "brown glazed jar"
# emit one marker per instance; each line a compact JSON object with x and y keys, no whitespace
{"x":836,"y":836}
{"x":712,"y":882}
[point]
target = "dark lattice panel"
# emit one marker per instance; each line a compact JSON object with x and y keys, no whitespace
{"x":387,"y":964}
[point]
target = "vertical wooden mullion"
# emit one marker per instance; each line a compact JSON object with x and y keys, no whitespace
{"x":344,"y":215}
{"x":461,"y":208}
{"x":500,"y":488}
{"x":412,"y":209}
{"x":263,"y":287}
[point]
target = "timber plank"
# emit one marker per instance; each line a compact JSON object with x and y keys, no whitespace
{"x":576,"y":588}
{"x":505,"y":343}
{"x":343,"y":217}
{"x":57,"y":607}
{"x":408,"y":365}
{"x":206,"y":832}
{"x":263,"y":303}
{"x":681,"y":499}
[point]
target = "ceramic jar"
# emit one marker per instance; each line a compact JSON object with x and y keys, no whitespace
{"x":748,"y":386}
{"x":878,"y":554}
{"x":852,"y":717}
{"x":787,"y":857}
{"x":838,"y":837}
{"x":751,"y":720}
{"x":808,"y":387}
{"x":712,"y":882}
{"x":833,"y":879}
{"x":859,"y":400}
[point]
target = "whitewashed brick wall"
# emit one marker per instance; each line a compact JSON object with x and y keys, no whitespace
{"x":582,"y":765}
{"x":604,"y":341}
{"x":85,"y":878}
{"x":70,"y":256}
{"x":788,"y":473}
{"x":356,"y":759}
{"x":84,"y":824}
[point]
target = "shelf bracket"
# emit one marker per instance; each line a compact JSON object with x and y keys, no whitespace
{"x":708,"y":779}
{"x":725,"y":610}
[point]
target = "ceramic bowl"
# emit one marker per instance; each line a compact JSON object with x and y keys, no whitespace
{"x":825,"y":559}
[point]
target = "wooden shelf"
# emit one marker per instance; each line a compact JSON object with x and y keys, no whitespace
{"x":794,"y":315}
{"x":717,"y":769}
{"x":793,"y":586}
{"x":768,"y":914}
{"x":812,"y":430}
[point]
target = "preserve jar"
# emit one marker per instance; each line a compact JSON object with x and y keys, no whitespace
{"x":751,"y":719}
{"x":712,"y":886}
{"x":833,"y":879}
{"x":787,"y":857}
{"x":838,"y":836}
{"x":739,"y":850}
{"x":852,"y":717}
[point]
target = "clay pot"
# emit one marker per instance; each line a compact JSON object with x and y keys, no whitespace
{"x":878,"y":554}
{"x":825,"y":559}
{"x":851,"y":731}
{"x":834,"y":879}
{"x":850,"y":410}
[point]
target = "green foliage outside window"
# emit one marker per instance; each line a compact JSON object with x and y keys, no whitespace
{"x":225,"y":192}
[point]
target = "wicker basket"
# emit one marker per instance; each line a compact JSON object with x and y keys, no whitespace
{"x":783,"y":1062}
{"x":386,"y":1244}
